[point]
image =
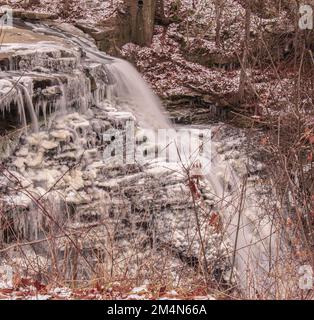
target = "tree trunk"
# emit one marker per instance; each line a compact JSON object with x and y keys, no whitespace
{"x":244,"y":64}
{"x":141,"y":15}
{"x":218,"y":9}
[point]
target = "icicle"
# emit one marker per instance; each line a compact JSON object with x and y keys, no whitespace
{"x":44,"y":110}
{"x":21,"y":109}
{"x":63,"y":98}
{"x":30,"y":107}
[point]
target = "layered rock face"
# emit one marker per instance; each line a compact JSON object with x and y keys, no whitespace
{"x":68,"y":202}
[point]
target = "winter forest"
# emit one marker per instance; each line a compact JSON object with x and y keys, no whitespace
{"x":156,"y":149}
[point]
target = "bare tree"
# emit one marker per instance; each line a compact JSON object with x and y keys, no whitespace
{"x":219,"y":10}
{"x":244,"y":63}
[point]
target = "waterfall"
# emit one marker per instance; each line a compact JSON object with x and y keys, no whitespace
{"x":129,"y":85}
{"x":253,"y":240}
{"x":123,"y":82}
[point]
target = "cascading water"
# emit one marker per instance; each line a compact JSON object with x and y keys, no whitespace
{"x":253,"y":240}
{"x":124,"y":82}
{"x":117,"y":79}
{"x":248,"y":227}
{"x":129,"y":85}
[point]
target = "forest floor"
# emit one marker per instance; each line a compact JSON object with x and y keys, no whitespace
{"x":20,"y":288}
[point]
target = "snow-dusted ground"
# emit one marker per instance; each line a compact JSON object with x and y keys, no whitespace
{"x":91,"y":12}
{"x":28,"y":289}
